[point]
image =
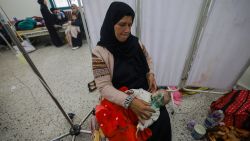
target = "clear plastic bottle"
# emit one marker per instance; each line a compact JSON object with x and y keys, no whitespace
{"x":214,"y":119}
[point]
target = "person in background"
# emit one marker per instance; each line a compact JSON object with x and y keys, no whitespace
{"x":72,"y":32}
{"x":77,"y":42}
{"x":50,"y":21}
{"x":121,"y":60}
{"x":60,"y":16}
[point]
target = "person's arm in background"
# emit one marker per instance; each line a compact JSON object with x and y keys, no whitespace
{"x":150,"y":75}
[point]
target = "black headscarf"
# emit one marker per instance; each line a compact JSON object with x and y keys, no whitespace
{"x":130,"y":65}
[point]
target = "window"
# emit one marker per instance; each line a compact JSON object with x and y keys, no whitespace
{"x":64,"y":4}
{"x":76,"y":2}
{"x":61,"y":3}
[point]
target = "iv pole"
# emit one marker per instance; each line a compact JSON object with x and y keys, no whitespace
{"x":75,"y":128}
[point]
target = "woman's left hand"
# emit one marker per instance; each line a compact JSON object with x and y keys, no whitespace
{"x":151,"y":83}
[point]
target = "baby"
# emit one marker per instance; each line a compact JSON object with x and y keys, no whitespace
{"x":157,"y":99}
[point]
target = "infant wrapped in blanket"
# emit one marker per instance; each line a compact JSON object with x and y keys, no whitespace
{"x":157,"y":99}
{"x":116,"y":121}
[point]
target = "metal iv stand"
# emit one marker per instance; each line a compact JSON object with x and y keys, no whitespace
{"x":75,"y":129}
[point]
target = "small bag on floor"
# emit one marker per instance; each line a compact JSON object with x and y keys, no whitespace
{"x":28,"y":47}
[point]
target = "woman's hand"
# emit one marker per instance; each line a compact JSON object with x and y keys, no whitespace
{"x":151,"y":83}
{"x":142,"y":109}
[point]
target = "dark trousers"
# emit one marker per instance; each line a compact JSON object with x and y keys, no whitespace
{"x":162,"y":127}
{"x":77,"y":41}
{"x":56,"y":40}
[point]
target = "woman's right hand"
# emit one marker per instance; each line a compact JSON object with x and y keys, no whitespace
{"x":142,"y":109}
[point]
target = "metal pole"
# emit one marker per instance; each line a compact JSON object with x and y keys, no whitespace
{"x":86,"y":117}
{"x":205,"y":12}
{"x":8,"y":44}
{"x":242,"y":73}
{"x":5,"y":14}
{"x":86,"y":131}
{"x":202,"y":91}
{"x":198,"y":33}
{"x":138,"y":18}
{"x":60,"y":137}
{"x":82,"y":11}
{"x":34,"y":68}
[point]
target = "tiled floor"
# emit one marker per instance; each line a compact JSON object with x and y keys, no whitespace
{"x":28,"y":113}
{"x":26,"y":110}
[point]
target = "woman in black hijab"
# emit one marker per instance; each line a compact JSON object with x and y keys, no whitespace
{"x":130,"y":67}
{"x":50,"y":21}
{"x":128,"y":55}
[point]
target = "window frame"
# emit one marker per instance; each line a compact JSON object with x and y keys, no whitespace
{"x":53,"y":5}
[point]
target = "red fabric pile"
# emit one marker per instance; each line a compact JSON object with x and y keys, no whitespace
{"x":118,"y":123}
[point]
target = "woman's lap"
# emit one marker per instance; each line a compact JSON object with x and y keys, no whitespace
{"x":161,"y":128}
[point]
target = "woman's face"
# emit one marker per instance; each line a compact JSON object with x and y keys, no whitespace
{"x":74,"y":8}
{"x":123,"y":28}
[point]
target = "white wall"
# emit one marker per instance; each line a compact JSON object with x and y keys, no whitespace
{"x":21,"y":8}
{"x":245,"y":79}
{"x":223,"y":51}
{"x":167,"y":28}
